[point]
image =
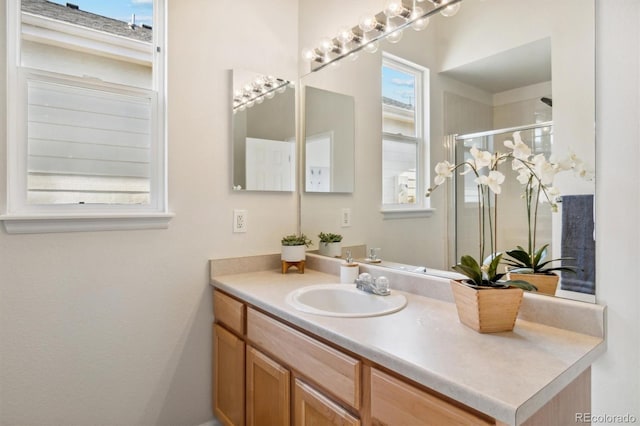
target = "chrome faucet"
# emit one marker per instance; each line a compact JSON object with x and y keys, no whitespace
{"x":378,"y":286}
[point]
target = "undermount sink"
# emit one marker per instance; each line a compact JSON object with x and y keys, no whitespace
{"x":343,"y":300}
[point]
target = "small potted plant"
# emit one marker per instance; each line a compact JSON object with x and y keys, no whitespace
{"x":534,"y":269}
{"x":536,"y":174}
{"x":294,"y":247}
{"x":485,"y":302}
{"x":330,"y":244}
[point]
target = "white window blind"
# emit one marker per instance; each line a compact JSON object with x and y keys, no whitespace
{"x":87,"y":145}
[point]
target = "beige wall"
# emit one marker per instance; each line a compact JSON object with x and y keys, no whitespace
{"x":616,"y":376}
{"x":115,"y":327}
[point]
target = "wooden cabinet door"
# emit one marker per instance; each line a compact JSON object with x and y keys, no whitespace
{"x":396,"y":403}
{"x":268,"y":401}
{"x":228,"y":377}
{"x":311,"y":408}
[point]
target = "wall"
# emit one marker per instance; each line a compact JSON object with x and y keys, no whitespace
{"x":115,"y":327}
{"x":616,"y":376}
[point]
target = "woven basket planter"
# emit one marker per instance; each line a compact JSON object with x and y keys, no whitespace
{"x":487,"y":310}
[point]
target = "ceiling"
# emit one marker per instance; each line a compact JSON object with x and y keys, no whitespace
{"x":513,"y":68}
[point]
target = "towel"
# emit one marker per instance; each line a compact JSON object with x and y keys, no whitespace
{"x":578,"y":242}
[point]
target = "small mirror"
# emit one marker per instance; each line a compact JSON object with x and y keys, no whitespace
{"x":263,"y":144}
{"x":329,"y":136}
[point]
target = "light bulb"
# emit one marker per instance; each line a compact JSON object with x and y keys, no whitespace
{"x":394,"y":37}
{"x":393,"y":8}
{"x":367,"y":23}
{"x":353,"y":56}
{"x":309,"y":54}
{"x":237,"y":94}
{"x":242,"y":107}
{"x":251,"y":103}
{"x":451,"y":10}
{"x":326,"y":45}
{"x":270,"y":95}
{"x":345,"y":35}
{"x":419,"y":23}
{"x":259,"y":99}
{"x":281,"y":89}
{"x":371,"y":47}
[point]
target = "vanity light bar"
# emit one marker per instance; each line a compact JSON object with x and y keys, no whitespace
{"x":398,"y":15}
{"x":263,"y":87}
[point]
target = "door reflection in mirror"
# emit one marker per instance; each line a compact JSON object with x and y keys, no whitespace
{"x":329,"y":141}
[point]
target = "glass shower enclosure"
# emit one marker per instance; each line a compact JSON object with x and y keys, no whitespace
{"x":511,"y":209}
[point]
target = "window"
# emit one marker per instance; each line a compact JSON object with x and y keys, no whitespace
{"x":86,"y":133}
{"x":404,"y":143}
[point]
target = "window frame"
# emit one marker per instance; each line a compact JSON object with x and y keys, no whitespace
{"x":422,"y":140}
{"x":21,"y":217}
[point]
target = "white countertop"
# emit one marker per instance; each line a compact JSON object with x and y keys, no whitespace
{"x":508,"y":376}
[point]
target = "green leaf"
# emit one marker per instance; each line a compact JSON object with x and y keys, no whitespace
{"x":493,"y":267}
{"x":571,"y":269}
{"x":525,"y":285}
{"x":469,"y":268}
{"x":540,"y":254}
{"x":521,"y":257}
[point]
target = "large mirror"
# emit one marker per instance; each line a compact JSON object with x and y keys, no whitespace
{"x":263,"y":132}
{"x":498,"y":64}
{"x":328,"y":141}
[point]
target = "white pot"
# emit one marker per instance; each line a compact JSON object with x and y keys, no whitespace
{"x":294,"y":253}
{"x":330,"y":249}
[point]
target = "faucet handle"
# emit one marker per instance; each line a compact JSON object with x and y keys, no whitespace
{"x":382,"y":284}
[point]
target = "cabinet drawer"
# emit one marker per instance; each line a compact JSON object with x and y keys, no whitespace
{"x":396,"y":403}
{"x":339,"y":373}
{"x":229,"y":312}
{"x":313,"y":408}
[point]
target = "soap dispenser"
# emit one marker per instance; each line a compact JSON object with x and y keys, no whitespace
{"x":349,"y":270}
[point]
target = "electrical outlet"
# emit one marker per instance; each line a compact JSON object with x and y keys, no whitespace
{"x":345,"y":219}
{"x":239,"y":220}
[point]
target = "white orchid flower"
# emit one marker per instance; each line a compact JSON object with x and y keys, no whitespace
{"x":481,"y":158}
{"x":524,"y":174}
{"x":520,"y":149}
{"x":492,"y":180}
{"x":545,"y":170}
{"x":553,"y":193}
{"x":444,"y":170}
{"x":582,"y":171}
{"x":566,"y":163}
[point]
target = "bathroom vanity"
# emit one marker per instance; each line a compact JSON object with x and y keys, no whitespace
{"x":276,"y":365}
